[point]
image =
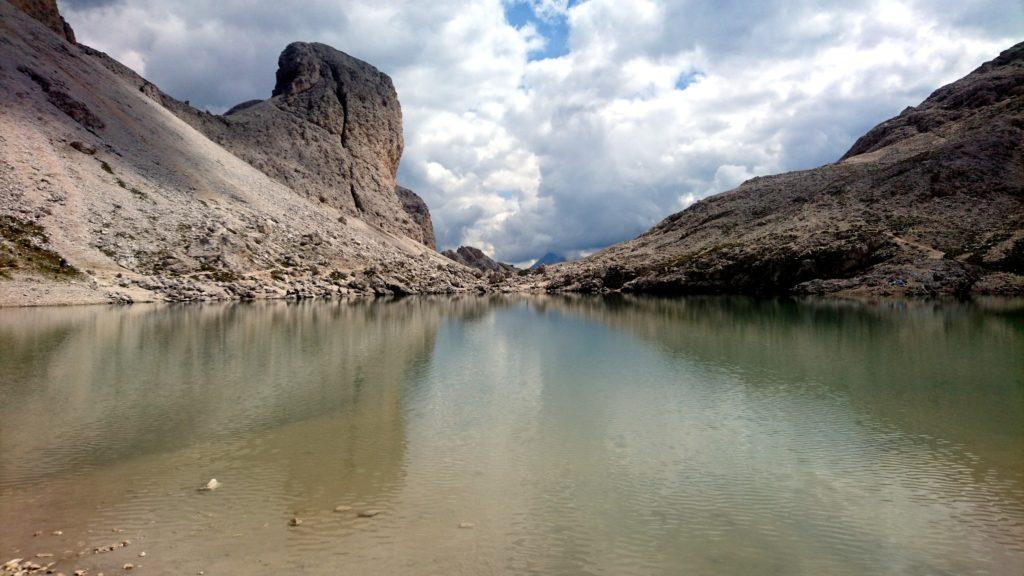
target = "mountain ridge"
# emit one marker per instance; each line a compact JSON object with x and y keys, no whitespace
{"x":927,"y":204}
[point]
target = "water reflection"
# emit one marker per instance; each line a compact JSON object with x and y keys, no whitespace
{"x":577,"y":435}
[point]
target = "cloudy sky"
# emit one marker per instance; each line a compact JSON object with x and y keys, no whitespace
{"x":563,"y":125}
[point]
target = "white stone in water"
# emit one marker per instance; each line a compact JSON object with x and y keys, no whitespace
{"x":211,"y":485}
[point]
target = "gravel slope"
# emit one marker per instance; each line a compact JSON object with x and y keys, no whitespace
{"x":142,"y":206}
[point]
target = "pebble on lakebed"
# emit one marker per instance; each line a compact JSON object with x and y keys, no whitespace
{"x":368,"y":513}
{"x":342,"y":508}
{"x":22,"y":566}
{"x":294,"y":522}
{"x":210,"y":486}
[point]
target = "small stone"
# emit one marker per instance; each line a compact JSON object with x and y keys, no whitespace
{"x":466,"y":525}
{"x":294,"y":522}
{"x":211,"y":485}
{"x":79,"y":572}
{"x":58,"y":533}
{"x":342,"y":508}
{"x":44,"y":555}
{"x":129,"y":566}
{"x":368,"y":513}
{"x":142,"y":554}
{"x":126,"y":542}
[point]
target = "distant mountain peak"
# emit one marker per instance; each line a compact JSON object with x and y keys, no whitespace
{"x":548,"y":259}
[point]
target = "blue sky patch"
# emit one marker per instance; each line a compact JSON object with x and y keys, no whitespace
{"x":687,"y":78}
{"x":554,"y":29}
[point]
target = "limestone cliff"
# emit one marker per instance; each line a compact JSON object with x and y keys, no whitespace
{"x":331,"y":131}
{"x":417,"y":210}
{"x":46,"y":12}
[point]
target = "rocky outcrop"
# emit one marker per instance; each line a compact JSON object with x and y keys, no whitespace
{"x":107,"y":195}
{"x":475,"y":258}
{"x":331,"y":131}
{"x":417,"y":210}
{"x":930,"y":203}
{"x":46,"y":12}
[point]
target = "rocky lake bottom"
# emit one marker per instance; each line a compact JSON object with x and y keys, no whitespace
{"x":514,"y":435}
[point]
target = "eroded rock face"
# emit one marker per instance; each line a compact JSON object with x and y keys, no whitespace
{"x":930,"y":203}
{"x":46,"y":12}
{"x":417,"y":210}
{"x":331,"y":131}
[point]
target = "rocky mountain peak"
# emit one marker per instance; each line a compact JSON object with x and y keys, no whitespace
{"x":342,"y":95}
{"x":331,"y":131}
{"x":998,"y":80}
{"x":475,"y":258}
{"x":46,"y":12}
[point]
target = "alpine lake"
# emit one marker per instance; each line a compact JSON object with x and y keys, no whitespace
{"x":515,"y":435}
